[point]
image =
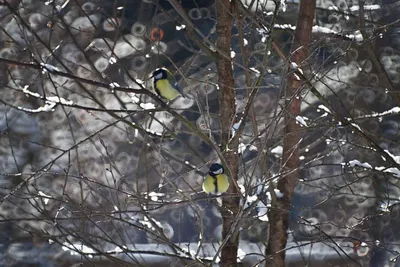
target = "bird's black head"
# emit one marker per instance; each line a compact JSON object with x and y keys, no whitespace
{"x":216,"y":169}
{"x":159,"y":74}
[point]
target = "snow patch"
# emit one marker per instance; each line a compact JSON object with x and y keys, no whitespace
{"x":368,"y":7}
{"x":49,"y":68}
{"x":324,"y":108}
{"x":355,"y":162}
{"x":302,"y":121}
{"x":277,"y":150}
{"x":180,"y":27}
{"x":278,"y":193}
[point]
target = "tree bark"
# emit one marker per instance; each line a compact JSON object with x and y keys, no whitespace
{"x":230,"y":202}
{"x":279,"y":212}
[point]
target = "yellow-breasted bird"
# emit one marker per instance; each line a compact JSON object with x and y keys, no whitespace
{"x":216,"y":181}
{"x":165,"y":85}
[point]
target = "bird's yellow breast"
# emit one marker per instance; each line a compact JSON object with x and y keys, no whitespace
{"x":166,"y":90}
{"x":216,"y":185}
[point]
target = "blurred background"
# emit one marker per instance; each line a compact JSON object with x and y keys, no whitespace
{"x":105,"y":179}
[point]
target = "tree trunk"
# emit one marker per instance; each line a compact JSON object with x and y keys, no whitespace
{"x":279,"y":212}
{"x":230,"y":202}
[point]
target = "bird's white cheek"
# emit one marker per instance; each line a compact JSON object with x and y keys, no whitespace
{"x":218,"y":172}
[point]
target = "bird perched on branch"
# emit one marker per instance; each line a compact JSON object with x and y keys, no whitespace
{"x":216,"y":181}
{"x":165,"y":85}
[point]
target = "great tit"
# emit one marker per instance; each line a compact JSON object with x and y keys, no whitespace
{"x":216,"y":181}
{"x":165,"y":85}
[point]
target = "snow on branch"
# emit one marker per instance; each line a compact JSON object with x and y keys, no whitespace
{"x":50,"y":102}
{"x":49,"y":68}
{"x":392,"y":170}
{"x":356,"y":36}
{"x":395,"y":110}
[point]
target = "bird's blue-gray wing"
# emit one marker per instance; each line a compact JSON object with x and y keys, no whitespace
{"x":175,"y":84}
{"x":179,"y":88}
